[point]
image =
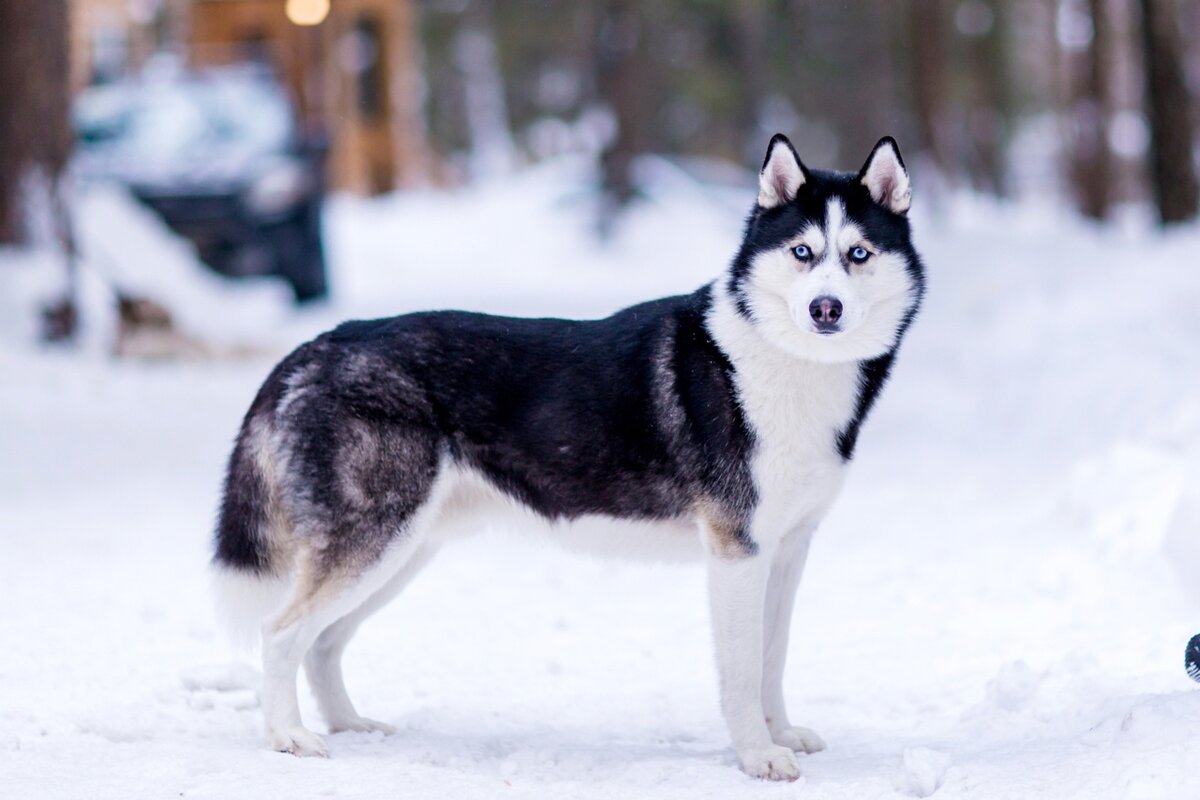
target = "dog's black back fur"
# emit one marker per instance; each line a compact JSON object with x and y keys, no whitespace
{"x":632,"y":416}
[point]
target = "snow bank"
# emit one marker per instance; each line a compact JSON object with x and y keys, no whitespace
{"x":125,"y":247}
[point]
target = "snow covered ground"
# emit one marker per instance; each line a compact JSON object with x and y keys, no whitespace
{"x":997,"y":607}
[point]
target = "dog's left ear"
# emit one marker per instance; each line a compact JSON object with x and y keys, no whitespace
{"x":886,"y":178}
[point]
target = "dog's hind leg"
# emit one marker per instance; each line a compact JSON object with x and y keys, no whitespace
{"x":360,"y":554}
{"x":323,"y":664}
{"x":321,"y":596}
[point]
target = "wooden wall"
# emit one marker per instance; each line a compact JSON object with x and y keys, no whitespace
{"x":369,"y":110}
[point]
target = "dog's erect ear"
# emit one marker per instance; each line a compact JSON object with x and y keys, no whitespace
{"x":782,"y":173}
{"x":886,"y":178}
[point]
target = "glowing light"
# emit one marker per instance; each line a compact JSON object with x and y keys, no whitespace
{"x":307,"y":12}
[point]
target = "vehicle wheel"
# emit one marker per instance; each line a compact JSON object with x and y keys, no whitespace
{"x":308,"y":278}
{"x":301,"y":256}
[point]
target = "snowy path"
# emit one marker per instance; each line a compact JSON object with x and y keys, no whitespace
{"x":996,"y":608}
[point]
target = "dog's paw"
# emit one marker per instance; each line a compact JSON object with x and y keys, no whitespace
{"x":299,"y":741}
{"x":802,"y":740}
{"x":361,"y":725}
{"x":771,"y":763}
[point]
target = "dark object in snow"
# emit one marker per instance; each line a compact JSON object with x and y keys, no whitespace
{"x":146,"y":330}
{"x":60,"y":320}
{"x":220,"y":156}
{"x":1191,"y":658}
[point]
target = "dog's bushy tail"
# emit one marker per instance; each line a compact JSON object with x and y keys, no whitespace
{"x":248,"y":579}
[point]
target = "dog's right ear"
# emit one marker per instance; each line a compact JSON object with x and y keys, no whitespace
{"x":782,"y":174}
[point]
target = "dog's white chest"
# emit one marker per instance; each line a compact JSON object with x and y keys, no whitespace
{"x":796,"y":411}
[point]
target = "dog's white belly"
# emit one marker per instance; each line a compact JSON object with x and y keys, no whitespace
{"x":474,"y":506}
{"x":642,"y":540}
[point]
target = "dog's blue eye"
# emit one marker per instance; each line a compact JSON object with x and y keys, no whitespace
{"x":802,"y":252}
{"x":859,"y":254}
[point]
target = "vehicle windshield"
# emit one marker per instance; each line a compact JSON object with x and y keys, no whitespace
{"x":218,"y":120}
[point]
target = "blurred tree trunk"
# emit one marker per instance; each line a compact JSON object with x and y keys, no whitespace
{"x":990,"y":118}
{"x":750,"y":25}
{"x":989,"y":107}
{"x":35,"y":139}
{"x":623,"y":84}
{"x":927,"y":31}
{"x":1092,"y":165}
{"x":492,"y":151}
{"x":34,"y":100}
{"x":1168,"y":105}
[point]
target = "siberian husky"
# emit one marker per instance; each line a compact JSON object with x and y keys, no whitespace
{"x":718,"y":423}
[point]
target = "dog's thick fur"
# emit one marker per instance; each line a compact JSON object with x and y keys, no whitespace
{"x":717,"y":424}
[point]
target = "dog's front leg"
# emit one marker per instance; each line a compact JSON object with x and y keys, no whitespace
{"x":786,"y":569}
{"x":737,"y":594}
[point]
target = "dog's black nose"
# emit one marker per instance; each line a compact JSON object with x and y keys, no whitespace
{"x":826,"y":311}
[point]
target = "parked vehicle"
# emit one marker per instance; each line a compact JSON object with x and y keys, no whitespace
{"x":220,"y":156}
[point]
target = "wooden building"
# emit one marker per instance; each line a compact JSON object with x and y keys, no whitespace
{"x":351,"y":66}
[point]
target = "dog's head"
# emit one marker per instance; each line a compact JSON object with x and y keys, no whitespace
{"x":827,"y":270}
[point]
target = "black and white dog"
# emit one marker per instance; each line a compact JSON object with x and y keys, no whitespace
{"x":717,"y":424}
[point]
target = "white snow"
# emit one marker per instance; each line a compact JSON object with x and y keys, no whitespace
{"x":922,"y":771}
{"x":996,"y":608}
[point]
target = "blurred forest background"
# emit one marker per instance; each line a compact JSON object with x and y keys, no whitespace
{"x":1091,"y":102}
